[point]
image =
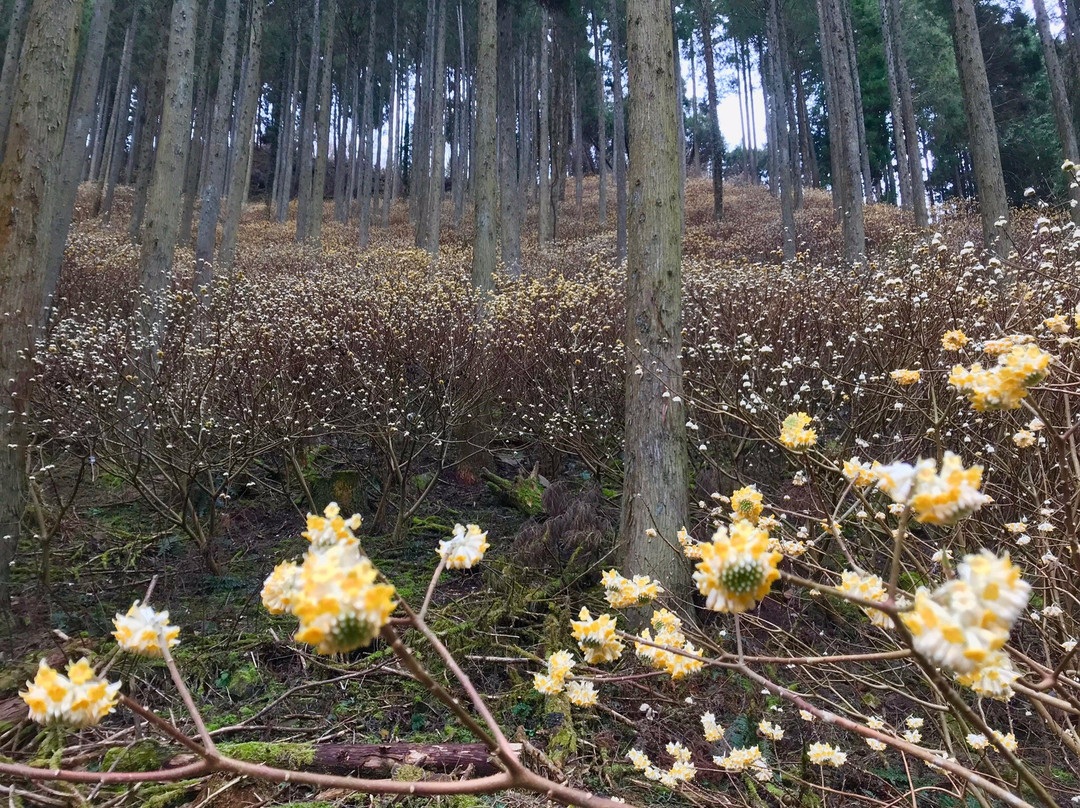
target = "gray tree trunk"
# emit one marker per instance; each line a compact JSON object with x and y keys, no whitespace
{"x":654,"y":500}
{"x":281,"y":212}
{"x":1063,"y":114}
{"x":341,"y":139}
{"x":214,"y":179}
{"x":869,"y":190}
{"x":307,"y":131}
{"x":10,"y":70}
{"x":982,"y":130}
{"x":484,"y":171}
{"x":716,"y":159}
{"x":619,"y":141}
{"x":155,"y":101}
{"x":366,"y":167}
{"x":577,"y":142}
{"x":437,"y":127}
{"x":392,"y":155}
{"x":197,"y":153}
{"x":318,"y":190}
{"x":509,"y":177}
{"x":911,"y":127}
{"x":29,"y":185}
{"x":545,"y":214}
{"x":161,"y":225}
{"x":601,"y":118}
{"x":80,"y":118}
{"x":114,"y":143}
{"x":234,"y":201}
{"x":783,"y":123}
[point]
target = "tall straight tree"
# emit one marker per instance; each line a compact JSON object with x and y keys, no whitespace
{"x":214,"y":178}
{"x":238,"y":182}
{"x":436,"y":138}
{"x":510,"y":213}
{"x":705,"y":18}
{"x":161,"y":223}
{"x":982,"y":129}
{"x":546,"y":211}
{"x":30,"y":185}
{"x":618,"y":145}
{"x":322,"y":135}
{"x":654,"y":501}
{"x":601,"y":118}
{"x":1063,"y":114}
{"x":10,"y":70}
{"x":307,"y":130}
{"x":484,"y":170}
{"x":365,"y":130}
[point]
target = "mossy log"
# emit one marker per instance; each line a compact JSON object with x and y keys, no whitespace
{"x":366,"y":760}
{"x":523,"y":493}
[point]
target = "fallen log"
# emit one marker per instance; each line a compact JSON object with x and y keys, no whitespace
{"x":364,"y":760}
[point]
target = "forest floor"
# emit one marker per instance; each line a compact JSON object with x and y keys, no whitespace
{"x":499,"y":619}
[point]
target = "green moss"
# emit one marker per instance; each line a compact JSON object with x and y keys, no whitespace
{"x":282,"y":755}
{"x":143,"y":756}
{"x":163,"y":795}
{"x":407,"y":773}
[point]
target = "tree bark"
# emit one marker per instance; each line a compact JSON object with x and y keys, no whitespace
{"x":783,"y":123}
{"x":619,"y":142}
{"x":281,"y":212}
{"x":366,"y":167}
{"x":392,"y":154}
{"x":118,"y":120}
{"x":509,"y":177}
{"x":437,"y":128}
{"x":717,"y":163}
{"x":155,"y":101}
{"x":307,"y":131}
{"x":162,"y":221}
{"x":29,"y":187}
{"x":545,"y":214}
{"x":214,"y":180}
{"x":601,"y":118}
{"x":654,"y":500}
{"x":234,"y":201}
{"x":484,"y":172}
{"x":982,"y":130}
{"x":318,"y":190}
{"x":198,"y":149}
{"x":1063,"y":115}
{"x":80,"y":119}
{"x":16,"y":30}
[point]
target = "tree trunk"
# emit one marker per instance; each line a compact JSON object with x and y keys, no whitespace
{"x":437,"y":127}
{"x":545,"y":213}
{"x":213,"y":182}
{"x":577,"y":142}
{"x":366,"y":167}
{"x":717,"y":159}
{"x":869,"y":190}
{"x":162,"y":221}
{"x":80,"y":118}
{"x":307,"y":132}
{"x":1062,"y":108}
{"x":509,"y":178}
{"x":16,"y":30}
{"x":198,"y":152}
{"x":97,"y":140}
{"x":811,"y":173}
{"x":29,"y":185}
{"x":341,"y":140}
{"x":890,"y":41}
{"x":911,"y":127}
{"x":155,"y":101}
{"x":619,"y":143}
{"x":318,"y":191}
{"x":286,"y":184}
{"x":654,"y":501}
{"x":601,"y":118}
{"x":484,"y":171}
{"x":114,"y":144}
{"x":982,"y":130}
{"x":234,"y":200}
{"x":783,"y":123}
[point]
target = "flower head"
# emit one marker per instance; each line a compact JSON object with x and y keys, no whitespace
{"x":769,"y":730}
{"x":954,"y":340}
{"x":858,"y":473}
{"x":746,"y":504}
{"x":596,"y":637}
{"x":331,"y":528}
{"x":713,"y":731}
{"x":795,"y":432}
{"x":936,"y":497}
{"x":142,"y":630}
{"x":466,"y":548}
{"x":547,"y":684}
{"x":737,"y":568}
{"x":905,"y":377}
{"x":581,"y":694}
{"x":80,"y":699}
{"x":867,"y":587}
{"x":823,"y":754}
{"x":623,"y":593}
{"x":280,"y":587}
{"x":1004,"y":386}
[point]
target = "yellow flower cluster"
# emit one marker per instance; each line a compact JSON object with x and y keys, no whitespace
{"x":691,"y":548}
{"x":994,"y":678}
{"x":623,"y":593}
{"x":681,"y":771}
{"x":822,"y":754}
{"x":713,"y":731}
{"x":596,"y":637}
{"x":906,"y":377}
{"x":858,"y":473}
{"x":737,"y":568}
{"x":333,"y":593}
{"x":867,"y":587}
{"x":466,"y":548}
{"x":668,"y":628}
{"x":1005,"y":385}
{"x":80,"y":699}
{"x":769,"y":730}
{"x":966,"y":620}
{"x":936,"y":497}
{"x":142,"y":630}
{"x":748,"y":758}
{"x":559,"y":666}
{"x":581,"y":694}
{"x":795,"y":432}
{"x":746,"y":503}
{"x":954,"y":340}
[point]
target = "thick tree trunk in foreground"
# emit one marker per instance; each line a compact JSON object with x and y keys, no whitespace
{"x":655,"y":459}
{"x":982,"y":130}
{"x":238,"y":183}
{"x":10,"y":70}
{"x":30,"y":185}
{"x":484,"y":171}
{"x":161,"y":224}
